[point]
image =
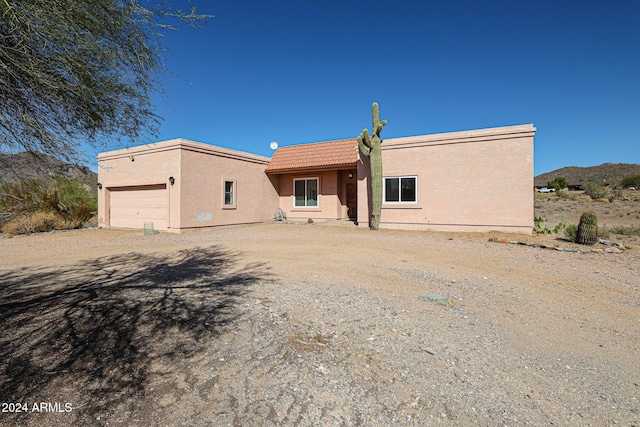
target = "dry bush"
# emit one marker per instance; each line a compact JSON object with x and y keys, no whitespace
{"x":23,"y":205}
{"x":565,"y":195}
{"x":626,"y":231}
{"x":38,"y":221}
{"x":91,"y":222}
{"x":596,"y":191}
{"x":604,"y":232}
{"x":616,"y":193}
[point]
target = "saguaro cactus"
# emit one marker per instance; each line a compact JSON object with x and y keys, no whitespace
{"x":587,"y":233}
{"x":370,"y":147}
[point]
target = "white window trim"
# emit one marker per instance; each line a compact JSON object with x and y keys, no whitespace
{"x":234,"y":192}
{"x":293,"y":193}
{"x":399,"y":177}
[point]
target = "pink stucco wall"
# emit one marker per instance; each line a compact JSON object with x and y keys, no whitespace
{"x":466,"y":181}
{"x":199,"y":171}
{"x":141,"y":166}
{"x":477,"y":180}
{"x":204,"y":170}
{"x":332,"y":202}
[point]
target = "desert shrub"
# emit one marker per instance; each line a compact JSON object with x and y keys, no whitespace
{"x":571,"y":232}
{"x":616,"y":193}
{"x":35,"y":222}
{"x":596,"y":191}
{"x":74,"y":201}
{"x":91,"y":222}
{"x":26,"y":196}
{"x":60,"y":196}
{"x":604,"y":232}
{"x":565,"y":195}
{"x":625,"y":231}
{"x":631,"y":181}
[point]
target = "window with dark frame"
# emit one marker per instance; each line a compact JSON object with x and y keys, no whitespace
{"x":400,"y":189}
{"x":228,"y":193}
{"x":305,"y":192}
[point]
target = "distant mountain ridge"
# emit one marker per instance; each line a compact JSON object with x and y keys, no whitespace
{"x":16,"y":167}
{"x":611,"y":173}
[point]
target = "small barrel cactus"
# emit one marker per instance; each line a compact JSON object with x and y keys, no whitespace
{"x":587,"y":233}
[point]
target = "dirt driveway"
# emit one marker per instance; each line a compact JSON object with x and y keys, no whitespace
{"x":319,"y":324}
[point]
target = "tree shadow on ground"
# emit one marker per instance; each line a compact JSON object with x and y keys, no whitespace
{"x":96,"y":327}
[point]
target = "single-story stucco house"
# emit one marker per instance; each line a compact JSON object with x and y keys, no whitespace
{"x":477,"y":180}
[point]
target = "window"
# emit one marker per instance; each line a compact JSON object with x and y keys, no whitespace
{"x":228,"y":193}
{"x":305,"y":192}
{"x":401,"y":189}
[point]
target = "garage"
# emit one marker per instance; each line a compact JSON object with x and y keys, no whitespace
{"x":132,"y":206}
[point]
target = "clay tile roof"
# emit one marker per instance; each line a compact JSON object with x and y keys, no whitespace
{"x":317,"y":155}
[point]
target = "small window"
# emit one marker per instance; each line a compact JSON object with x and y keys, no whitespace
{"x":228,"y":193}
{"x":229,"y":188}
{"x":305,"y":192}
{"x":401,"y":189}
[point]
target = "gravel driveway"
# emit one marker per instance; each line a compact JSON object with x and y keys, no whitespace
{"x":315,"y":324}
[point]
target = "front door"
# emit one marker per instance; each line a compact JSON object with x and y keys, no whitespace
{"x":352,"y":200}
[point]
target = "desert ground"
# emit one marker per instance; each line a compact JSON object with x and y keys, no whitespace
{"x":321,"y":324}
{"x":622,"y":211}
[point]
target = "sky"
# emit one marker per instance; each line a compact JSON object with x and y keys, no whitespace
{"x":296,"y":71}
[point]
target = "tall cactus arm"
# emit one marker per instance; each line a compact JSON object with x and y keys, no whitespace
{"x":366,"y":139}
{"x":364,"y":143}
{"x":375,"y":120}
{"x":375,"y":113}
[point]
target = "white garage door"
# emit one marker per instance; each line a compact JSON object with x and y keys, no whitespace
{"x":131,"y":207}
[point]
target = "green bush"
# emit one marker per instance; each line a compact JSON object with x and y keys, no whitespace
{"x":26,"y":196}
{"x":559,"y":183}
{"x":571,"y":232}
{"x":59,"y":196}
{"x":625,"y":231}
{"x":74,"y":202}
{"x":595,"y":190}
{"x":566,"y":195}
{"x":631,"y":181}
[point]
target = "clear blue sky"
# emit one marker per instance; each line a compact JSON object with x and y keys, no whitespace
{"x":297,"y":71}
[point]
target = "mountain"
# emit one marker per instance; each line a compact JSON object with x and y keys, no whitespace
{"x":16,"y":167}
{"x":606,"y":172}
